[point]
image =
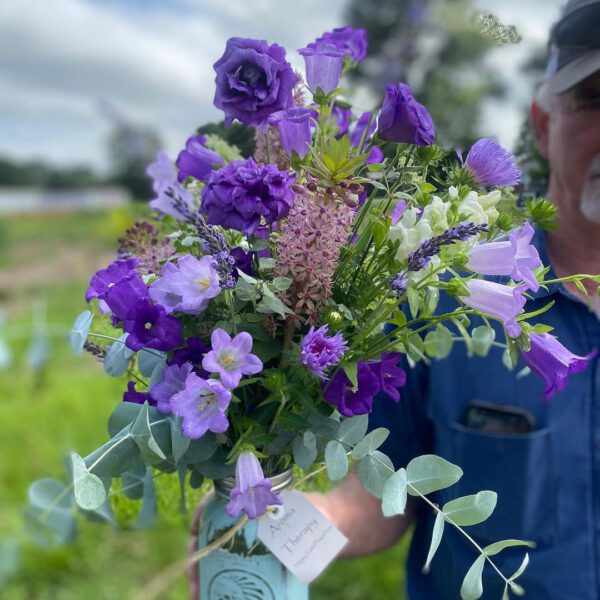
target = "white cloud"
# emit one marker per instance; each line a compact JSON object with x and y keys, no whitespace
{"x":153,"y":62}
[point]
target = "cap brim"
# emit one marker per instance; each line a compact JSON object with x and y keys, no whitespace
{"x":575,"y":72}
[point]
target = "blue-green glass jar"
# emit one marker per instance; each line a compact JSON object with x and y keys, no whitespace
{"x":244,"y":569}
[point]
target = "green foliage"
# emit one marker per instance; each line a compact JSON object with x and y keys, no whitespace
{"x":429,"y":473}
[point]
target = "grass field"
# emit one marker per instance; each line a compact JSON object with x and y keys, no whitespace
{"x":45,"y":262}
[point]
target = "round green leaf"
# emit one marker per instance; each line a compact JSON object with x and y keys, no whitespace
{"x":430,"y":473}
{"x":471,"y":510}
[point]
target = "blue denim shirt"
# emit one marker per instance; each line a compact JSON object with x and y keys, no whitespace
{"x":548,"y":481}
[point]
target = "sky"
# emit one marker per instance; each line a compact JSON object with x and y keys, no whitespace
{"x":151,"y":61}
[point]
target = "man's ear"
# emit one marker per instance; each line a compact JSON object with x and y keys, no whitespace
{"x":539,"y":122}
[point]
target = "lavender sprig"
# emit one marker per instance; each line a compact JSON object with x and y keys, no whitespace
{"x":213,"y":242}
{"x":421,"y":257}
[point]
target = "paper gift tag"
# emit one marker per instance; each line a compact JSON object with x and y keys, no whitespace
{"x":300,"y":536}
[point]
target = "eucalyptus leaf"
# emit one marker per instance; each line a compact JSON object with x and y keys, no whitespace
{"x":482,"y":339}
{"x":88,"y":488}
{"x":370,"y":443}
{"x":501,"y":545}
{"x":373,"y":471}
{"x":521,"y":569}
{"x":157,"y":373}
{"x":436,"y":538}
{"x":49,"y":517}
{"x":353,"y":429}
{"x":116,"y":361}
{"x":472,"y":586}
{"x":10,"y":558}
{"x":272,"y":304}
{"x":125,"y":413}
{"x":471,"y":510}
{"x":179,"y":442}
{"x":148,"y":513}
{"x":336,"y":460}
{"x":430,"y":473}
{"x":148,"y":359}
{"x":115,"y":456}
{"x":394,"y":494}
{"x":216,"y":466}
{"x":281,"y":284}
{"x":80,"y":330}
{"x":142,"y":435}
{"x":304,"y":448}
{"x":351,"y":371}
{"x":133,"y":481}
{"x":200,"y":450}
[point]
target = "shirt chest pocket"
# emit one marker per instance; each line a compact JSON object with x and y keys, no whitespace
{"x":519,"y":467}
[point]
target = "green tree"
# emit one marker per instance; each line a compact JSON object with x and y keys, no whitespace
{"x":439,"y":48}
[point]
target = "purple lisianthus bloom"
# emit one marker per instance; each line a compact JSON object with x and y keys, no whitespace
{"x":323,"y":67}
{"x":149,"y":326}
{"x":252,"y":493}
{"x":553,"y":362}
{"x":172,"y":382}
{"x":294,"y":129}
{"x":517,"y":257}
{"x":242,"y":193}
{"x":132,"y":395}
{"x":197,"y":160}
{"x":231,"y":358}
{"x":253,"y":81}
{"x":341,"y":117}
{"x":186,"y":286}
{"x":358,"y":131}
{"x":491,"y":165}
{"x":202,"y":404}
{"x":497,"y":300}
{"x":389,"y":374}
{"x":318,"y":351}
{"x":171,"y":199}
{"x":403,"y":120}
{"x":123,"y":296}
{"x":243,"y":262}
{"x":104,"y":279}
{"x":350,"y":401}
{"x":376,"y":155}
{"x":352,"y":41}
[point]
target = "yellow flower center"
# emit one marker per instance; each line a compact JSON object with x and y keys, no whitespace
{"x":203,"y":283}
{"x":206,"y":401}
{"x":227,"y":361}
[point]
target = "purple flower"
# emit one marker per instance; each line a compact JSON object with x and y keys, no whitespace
{"x":202,"y":404}
{"x":243,"y":193}
{"x":553,"y":362}
{"x":323,"y":67}
{"x":491,"y":165}
{"x":231,"y":358}
{"x":350,"y":401}
{"x":172,"y":382}
{"x":318,"y":351}
{"x":149,"y":326}
{"x":162,"y":172}
{"x":253,"y":81}
{"x":403,"y":119}
{"x":341,"y":117}
{"x":193,"y":352}
{"x":104,"y":279}
{"x":497,"y":300}
{"x":516,"y":257}
{"x":390,"y":376}
{"x":243,"y":262}
{"x":294,"y":129}
{"x":123,"y":296}
{"x":358,"y":132}
{"x":171,"y":199}
{"x":186,"y":286}
{"x":252,"y":494}
{"x":398,"y":211}
{"x":131,"y":395}
{"x":352,"y":41}
{"x":376,"y":155}
{"x":197,"y":160}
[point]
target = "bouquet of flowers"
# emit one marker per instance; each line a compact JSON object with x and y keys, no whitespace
{"x":277,"y":296}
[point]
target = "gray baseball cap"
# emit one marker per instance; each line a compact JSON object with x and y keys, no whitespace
{"x":574,"y":46}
